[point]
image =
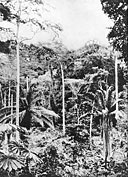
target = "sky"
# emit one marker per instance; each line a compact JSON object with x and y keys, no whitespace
{"x":81,"y":21}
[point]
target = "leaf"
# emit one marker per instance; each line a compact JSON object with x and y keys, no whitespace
{"x":34,"y":156}
{"x":8,"y":118}
{"x":47,"y":112}
{"x":101,"y":98}
{"x":38,"y":120}
{"x":50,"y":123}
{"x":9,"y":162}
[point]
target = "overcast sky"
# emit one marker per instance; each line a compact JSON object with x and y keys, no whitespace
{"x":81,"y":20}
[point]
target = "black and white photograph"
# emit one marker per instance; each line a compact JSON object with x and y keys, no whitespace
{"x":63,"y":88}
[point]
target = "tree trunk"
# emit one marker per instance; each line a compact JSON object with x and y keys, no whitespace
{"x":127,"y":113}
{"x":11,"y":108}
{"x":116,"y":85}
{"x":90,"y":134}
{"x":91,"y":126}
{"x":9,"y":92}
{"x":63,"y":98}
{"x":106,"y":140}
{"x":18,"y":70}
{"x":27,"y":85}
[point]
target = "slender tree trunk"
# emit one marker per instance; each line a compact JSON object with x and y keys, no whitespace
{"x":106,"y":140}
{"x":127,"y":113}
{"x":5,"y":99}
{"x":51,"y":93}
{"x":27,"y":85}
{"x":116,"y":85}
{"x":1,"y":95}
{"x":18,"y":70}
{"x":77,"y":113}
{"x":9,"y":92}
{"x":63,"y":98}
{"x":91,"y":125}
{"x":11,"y":108}
{"x":77,"y":110}
{"x":91,"y":131}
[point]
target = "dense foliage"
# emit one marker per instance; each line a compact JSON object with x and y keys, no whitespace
{"x":89,"y":89}
{"x":118,"y":36}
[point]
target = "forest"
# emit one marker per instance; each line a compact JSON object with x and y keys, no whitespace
{"x":63,"y":113}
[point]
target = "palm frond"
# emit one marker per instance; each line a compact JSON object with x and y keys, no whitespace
{"x":38,"y":120}
{"x":12,"y":117}
{"x":47,"y":112}
{"x":49,"y":122}
{"x":6,"y":110}
{"x":41,"y":119}
{"x":10,"y":162}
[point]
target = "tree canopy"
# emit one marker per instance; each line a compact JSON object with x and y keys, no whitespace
{"x":117,"y":10}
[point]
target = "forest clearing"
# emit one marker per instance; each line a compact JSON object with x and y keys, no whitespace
{"x":63,"y":113}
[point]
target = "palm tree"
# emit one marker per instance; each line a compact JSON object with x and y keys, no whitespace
{"x":32,"y":110}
